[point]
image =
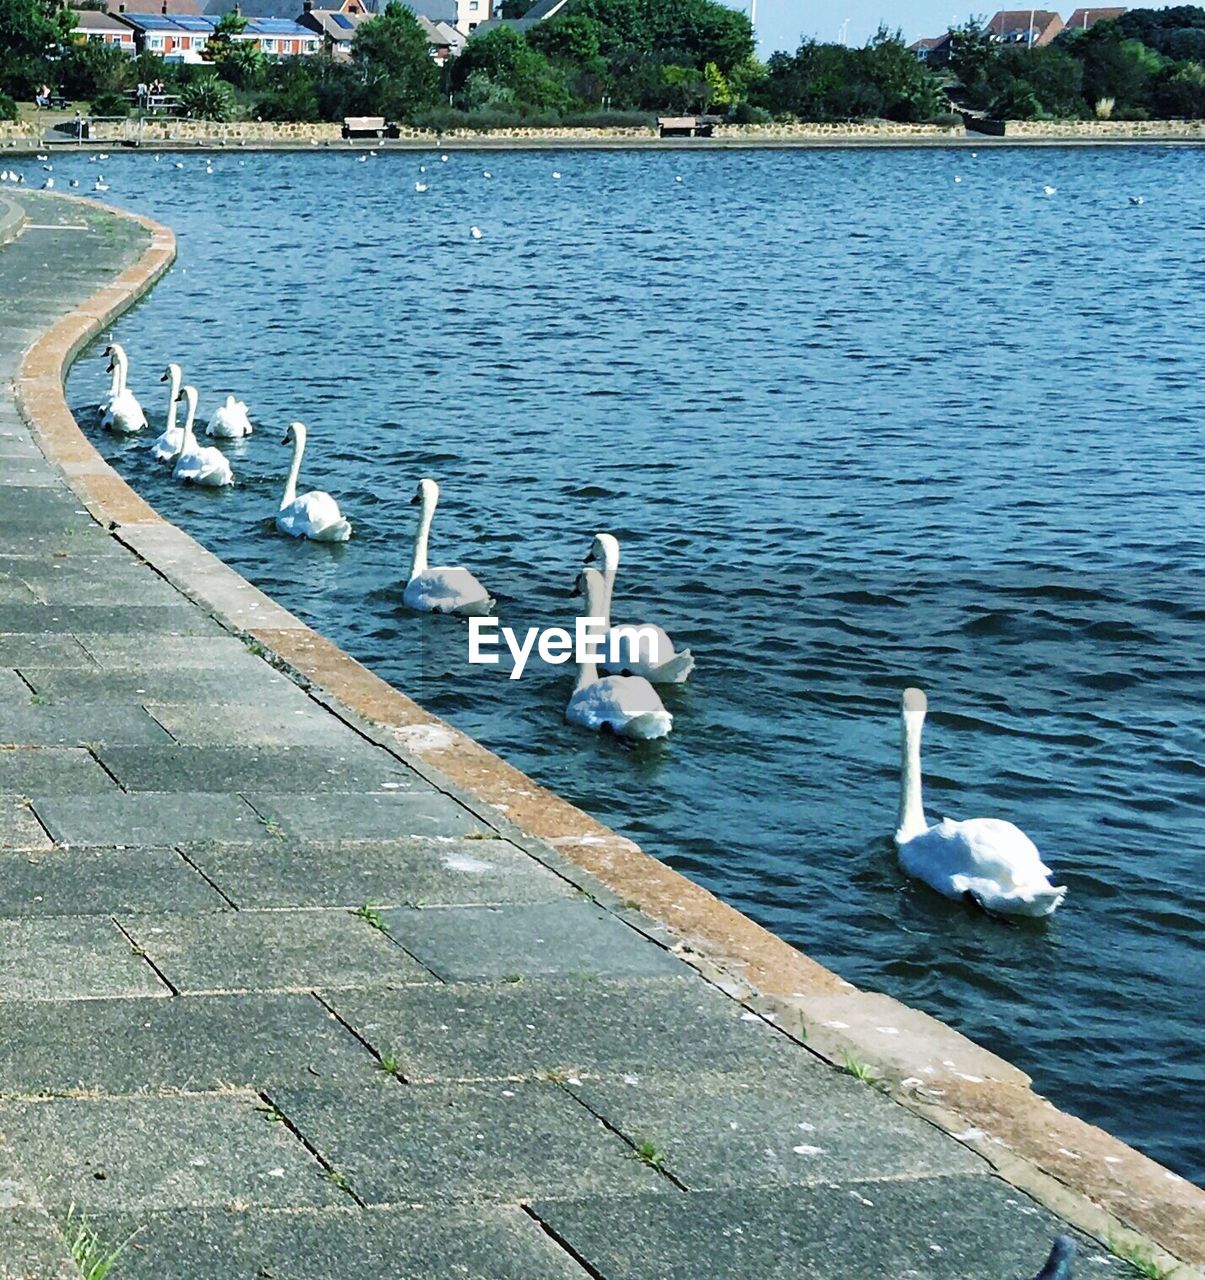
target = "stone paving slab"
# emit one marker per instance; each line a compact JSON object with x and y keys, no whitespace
{"x":571,"y":939}
{"x":147,"y":818}
{"x":353,"y":766}
{"x":12,"y":687}
{"x":121,"y":652}
{"x":104,"y":1154}
{"x":365,"y":817}
{"x":31,"y":1246}
{"x":485,"y":1242}
{"x":70,"y":958}
{"x":144,"y":621}
{"x":565,"y":1027}
{"x":29,"y":770}
{"x":188,"y":1043}
{"x":60,"y":725}
{"x":240,"y":724}
{"x":18,"y":649}
{"x":272,"y":951}
{"x":401,"y":1144}
{"x":790,"y":1122}
{"x":257,"y":682}
{"x":81,"y":882}
{"x":386,"y":873}
{"x":955,"y":1228}
{"x":19,"y":826}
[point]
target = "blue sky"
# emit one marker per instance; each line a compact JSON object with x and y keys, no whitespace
{"x":781,"y":23}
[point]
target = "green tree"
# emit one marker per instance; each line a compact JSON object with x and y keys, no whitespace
{"x":971,"y":57}
{"x":1180,"y":91}
{"x":92,"y":69}
{"x":207,"y":98}
{"x":501,"y":57}
{"x":391,"y":56}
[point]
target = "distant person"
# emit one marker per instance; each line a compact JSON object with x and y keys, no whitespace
{"x":143,"y":92}
{"x":42,"y":97}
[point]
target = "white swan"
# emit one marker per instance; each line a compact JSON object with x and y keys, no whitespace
{"x":442,"y":589}
{"x":200,"y":465}
{"x":169,"y":444}
{"x":990,"y":861}
{"x":123,"y":413}
{"x":627,"y":705}
{"x":229,"y":421}
{"x":652,"y":653}
{"x":315,"y":514}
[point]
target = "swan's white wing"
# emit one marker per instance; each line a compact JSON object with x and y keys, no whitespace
{"x":204,"y":466}
{"x":229,"y":421}
{"x":447,"y":590}
{"x":124,"y":414}
{"x":169,"y":444}
{"x":314,"y":515}
{"x":624,"y":704}
{"x":993,"y":860}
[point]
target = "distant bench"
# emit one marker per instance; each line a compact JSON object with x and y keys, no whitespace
{"x":687,"y":126}
{"x":363,"y":126}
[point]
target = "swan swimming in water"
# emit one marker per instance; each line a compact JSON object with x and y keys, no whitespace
{"x":314,"y":515}
{"x":169,"y":444}
{"x":122,"y":413}
{"x":229,"y":421}
{"x":627,"y":705}
{"x":989,"y":861}
{"x":655,"y":657}
{"x":442,"y":589}
{"x":197,"y":464}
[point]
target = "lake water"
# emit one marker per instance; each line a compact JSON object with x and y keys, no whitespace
{"x":857,"y":425}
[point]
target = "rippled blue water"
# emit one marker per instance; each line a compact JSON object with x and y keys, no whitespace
{"x":857,"y":425}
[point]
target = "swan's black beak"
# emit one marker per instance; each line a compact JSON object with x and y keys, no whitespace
{"x":418,"y":497}
{"x":163,"y":377}
{"x":110,"y":367}
{"x":180,"y":398}
{"x":287,"y":437}
{"x":108,"y":351}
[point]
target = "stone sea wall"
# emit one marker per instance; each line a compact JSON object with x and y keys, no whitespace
{"x":1088,"y":130}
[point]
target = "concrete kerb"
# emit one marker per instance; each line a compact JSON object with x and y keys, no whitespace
{"x":1090,"y":1178}
{"x":12,"y":219}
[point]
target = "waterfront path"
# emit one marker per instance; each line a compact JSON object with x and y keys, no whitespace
{"x":283,"y":1004}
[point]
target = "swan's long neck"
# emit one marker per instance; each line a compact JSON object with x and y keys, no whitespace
{"x":610,"y":569}
{"x":122,"y":371}
{"x":912,"y":810}
{"x":115,"y":380}
{"x":189,"y":442}
{"x":418,"y":563}
{"x":174,"y":395}
{"x":596,"y":594}
{"x":290,"y":493}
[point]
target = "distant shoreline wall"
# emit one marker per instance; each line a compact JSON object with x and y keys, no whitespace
{"x":22,"y":138}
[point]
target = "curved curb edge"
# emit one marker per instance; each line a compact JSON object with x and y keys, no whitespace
{"x":1091,"y":1179}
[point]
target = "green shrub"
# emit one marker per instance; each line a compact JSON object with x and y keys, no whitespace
{"x":746,"y":113}
{"x":8,"y":108}
{"x":207,"y":99}
{"x":946,"y":119}
{"x":110,"y":104}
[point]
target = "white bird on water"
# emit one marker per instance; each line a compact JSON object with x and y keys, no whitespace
{"x":420,"y":186}
{"x":556,"y":173}
{"x":314,"y":515}
{"x":1138,"y":200}
{"x":1050,"y":191}
{"x":650,"y":653}
{"x":986,"y":860}
{"x":169,"y":444}
{"x":443,"y":588}
{"x":197,"y":464}
{"x":626,"y":705}
{"x":229,"y":421}
{"x":475,"y":232}
{"x":121,"y":413}
{"x":100,"y":184}
{"x":48,"y":185}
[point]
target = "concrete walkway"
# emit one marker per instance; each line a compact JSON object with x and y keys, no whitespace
{"x":286,"y":1009}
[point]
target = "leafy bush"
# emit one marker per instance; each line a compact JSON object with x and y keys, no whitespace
{"x":746,"y":113}
{"x":110,"y":104}
{"x":946,"y":119}
{"x":207,"y":99}
{"x":8,"y":108}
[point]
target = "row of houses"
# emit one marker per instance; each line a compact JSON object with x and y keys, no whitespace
{"x":180,"y":29}
{"x":1032,"y":28}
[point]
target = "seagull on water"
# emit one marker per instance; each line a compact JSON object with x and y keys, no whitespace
{"x":475,"y":232}
{"x":1058,"y":1265}
{"x":1049,"y":191}
{"x":420,"y":186}
{"x":1138,"y":200}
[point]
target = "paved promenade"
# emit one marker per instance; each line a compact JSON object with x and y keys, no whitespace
{"x":281,"y":1006}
